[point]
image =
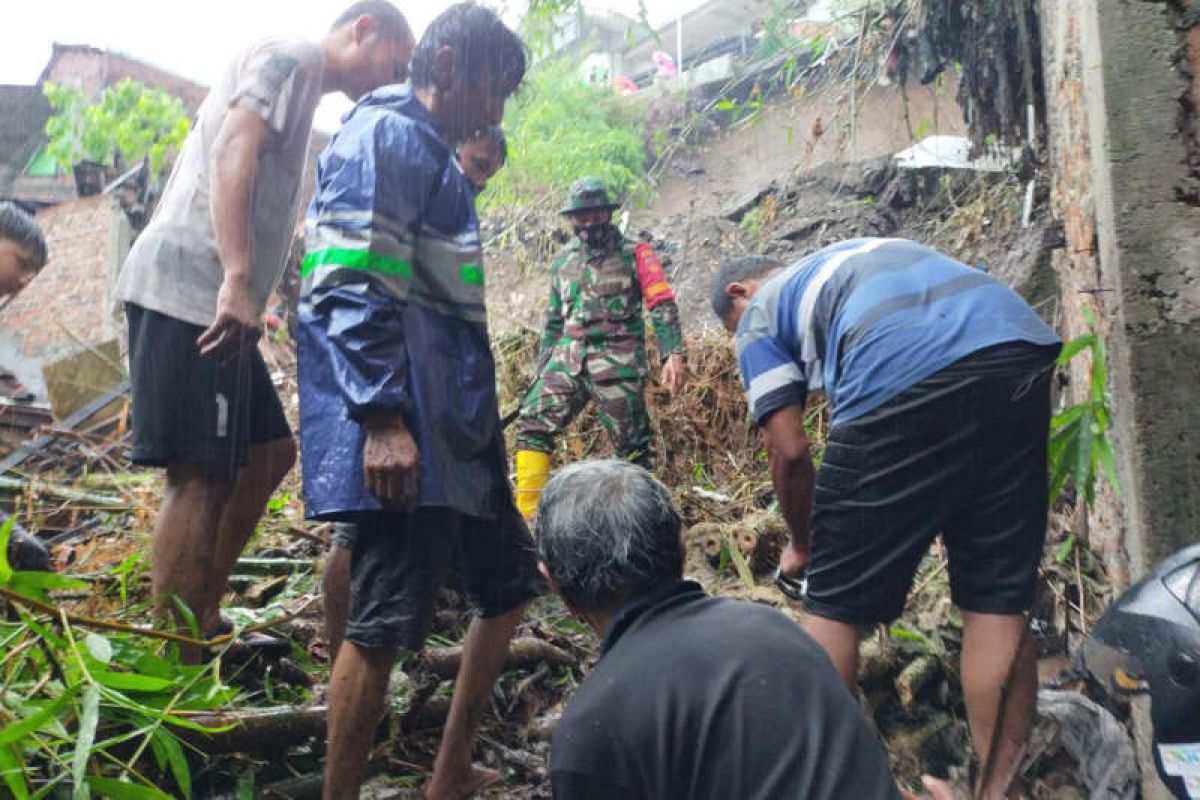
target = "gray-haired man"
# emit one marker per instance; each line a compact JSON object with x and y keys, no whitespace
{"x":693,"y":696}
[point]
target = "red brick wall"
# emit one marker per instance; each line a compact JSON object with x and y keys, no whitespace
{"x":1077,"y":264}
{"x":68,"y":299}
{"x":91,"y":70}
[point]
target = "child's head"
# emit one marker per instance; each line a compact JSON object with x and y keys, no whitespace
{"x":22,"y":249}
{"x":482,"y":155}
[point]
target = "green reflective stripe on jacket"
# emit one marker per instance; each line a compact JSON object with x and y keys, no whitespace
{"x":357,"y":259}
{"x":471,"y":274}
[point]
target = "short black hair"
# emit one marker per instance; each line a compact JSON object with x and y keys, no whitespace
{"x":736,"y":270}
{"x":386,"y":15}
{"x":494,"y":136}
{"x":483,"y":46}
{"x":18,"y":226}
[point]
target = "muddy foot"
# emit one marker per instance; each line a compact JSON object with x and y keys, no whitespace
{"x":480,"y":778}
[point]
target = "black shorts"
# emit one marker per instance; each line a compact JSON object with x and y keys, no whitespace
{"x":400,"y":562}
{"x":191,"y":409}
{"x":961,"y":454}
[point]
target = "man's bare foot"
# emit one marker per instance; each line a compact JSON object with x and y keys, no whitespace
{"x":476,"y":781}
{"x":935,"y":789}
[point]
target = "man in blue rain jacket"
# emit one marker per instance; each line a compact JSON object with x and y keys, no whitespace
{"x":400,"y":431}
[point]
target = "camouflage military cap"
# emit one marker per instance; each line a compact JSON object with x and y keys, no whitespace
{"x":586,"y":194}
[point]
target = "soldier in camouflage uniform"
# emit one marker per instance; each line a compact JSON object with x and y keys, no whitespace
{"x":594,"y":346}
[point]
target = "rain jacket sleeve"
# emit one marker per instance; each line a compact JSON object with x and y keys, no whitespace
{"x":358,"y":272}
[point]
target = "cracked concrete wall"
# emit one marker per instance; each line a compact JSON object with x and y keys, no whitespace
{"x":1117,"y":71}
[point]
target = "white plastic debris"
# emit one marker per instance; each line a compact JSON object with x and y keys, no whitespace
{"x":953,"y":152}
{"x":1095,"y":739}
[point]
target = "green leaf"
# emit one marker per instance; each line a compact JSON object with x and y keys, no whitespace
{"x":1061,"y":446}
{"x":1062,"y":471}
{"x":6,"y":571}
{"x":245,"y":786}
{"x":19,"y":730}
{"x":901,"y":632}
{"x":169,"y":744}
{"x":188,"y":616}
{"x":50,"y":637}
{"x":1075,"y":347}
{"x":1099,"y":386}
{"x":1064,"y":550}
{"x":132,"y":705}
{"x":89,"y":716}
{"x":120,"y":790}
{"x":99,"y":647}
{"x":1068,"y":416}
{"x":130,"y":681}
{"x":41,"y":581}
{"x":1084,"y":481}
{"x":13,"y":770}
{"x":739,"y":563}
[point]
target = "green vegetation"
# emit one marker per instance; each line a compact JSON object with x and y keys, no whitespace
{"x":129,"y":119}
{"x":1079,"y":446}
{"x":560,"y":129}
{"x":82,"y":709}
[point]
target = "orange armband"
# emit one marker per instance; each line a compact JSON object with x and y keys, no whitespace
{"x":655,"y":289}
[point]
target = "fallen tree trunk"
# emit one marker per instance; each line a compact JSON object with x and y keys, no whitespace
{"x":257,"y":729}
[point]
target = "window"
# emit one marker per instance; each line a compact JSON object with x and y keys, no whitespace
{"x":42,"y":165}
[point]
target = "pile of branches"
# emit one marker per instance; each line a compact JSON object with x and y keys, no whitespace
{"x":707,"y":449}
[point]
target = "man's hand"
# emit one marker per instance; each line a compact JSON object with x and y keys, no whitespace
{"x":793,"y":559}
{"x":391,"y":463}
{"x":238,"y":324}
{"x":674,"y":373}
{"x":792,"y":476}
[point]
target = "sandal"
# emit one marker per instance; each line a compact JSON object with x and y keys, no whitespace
{"x":794,"y":588}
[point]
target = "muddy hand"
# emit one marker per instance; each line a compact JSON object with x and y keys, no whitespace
{"x":674,"y":373}
{"x":793,"y":561}
{"x":391,"y":467}
{"x":238,"y":324}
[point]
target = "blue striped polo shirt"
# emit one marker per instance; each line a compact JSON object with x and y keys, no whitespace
{"x":865,"y":319}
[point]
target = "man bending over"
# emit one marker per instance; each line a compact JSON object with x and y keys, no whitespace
{"x":938,"y":377}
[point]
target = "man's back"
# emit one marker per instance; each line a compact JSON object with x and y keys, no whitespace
{"x":699,"y":697}
{"x":865,"y":319}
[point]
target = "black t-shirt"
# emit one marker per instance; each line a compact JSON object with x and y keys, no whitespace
{"x":699,"y":697}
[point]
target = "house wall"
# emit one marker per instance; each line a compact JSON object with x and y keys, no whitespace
{"x":69,"y":303}
{"x":91,"y":70}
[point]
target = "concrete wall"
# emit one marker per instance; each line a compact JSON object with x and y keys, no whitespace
{"x":1120,"y":157}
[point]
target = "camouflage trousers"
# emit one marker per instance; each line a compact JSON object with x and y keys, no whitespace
{"x":557,"y":397}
